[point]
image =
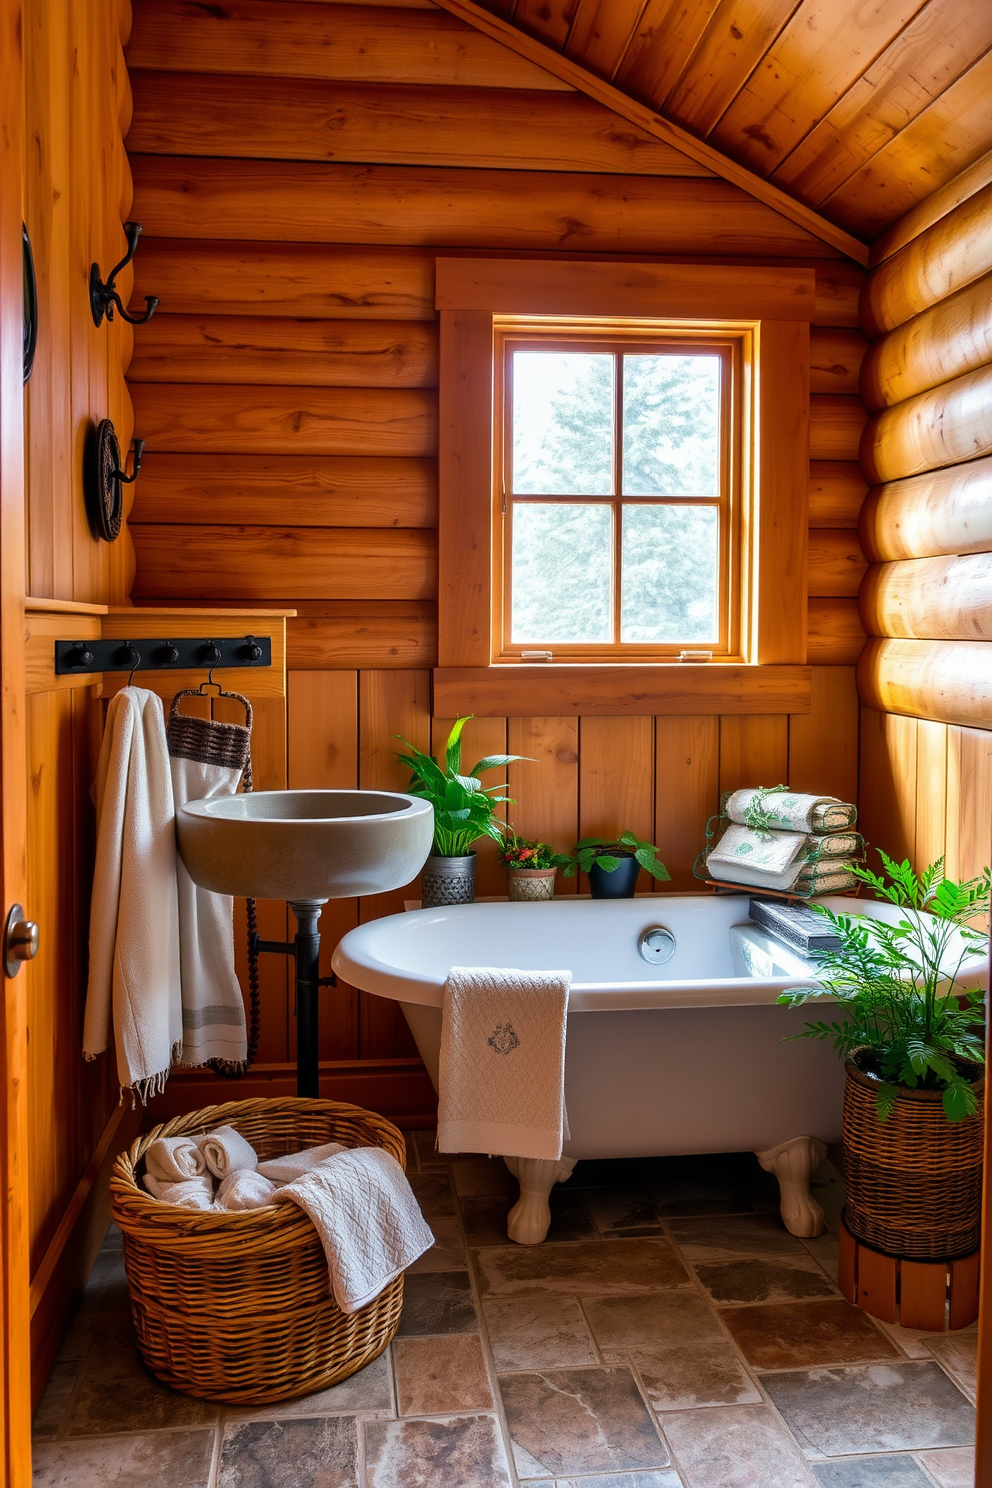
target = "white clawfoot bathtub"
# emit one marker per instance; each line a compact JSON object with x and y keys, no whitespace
{"x":660,"y":1060}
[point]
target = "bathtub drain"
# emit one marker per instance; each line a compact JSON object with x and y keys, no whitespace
{"x":657,"y":945}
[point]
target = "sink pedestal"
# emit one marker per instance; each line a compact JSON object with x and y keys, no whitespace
{"x":305,"y":950}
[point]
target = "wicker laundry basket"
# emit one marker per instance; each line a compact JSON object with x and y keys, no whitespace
{"x":237,"y":1307}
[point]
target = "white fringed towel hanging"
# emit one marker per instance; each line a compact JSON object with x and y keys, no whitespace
{"x":134,"y":982}
{"x":208,"y":759}
{"x":501,"y":1085}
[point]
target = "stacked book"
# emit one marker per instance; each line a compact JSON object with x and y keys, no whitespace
{"x":788,"y":842}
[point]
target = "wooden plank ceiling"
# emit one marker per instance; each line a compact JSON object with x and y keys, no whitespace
{"x":856,"y":108}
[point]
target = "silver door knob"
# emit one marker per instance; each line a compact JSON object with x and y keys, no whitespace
{"x":20,"y":940}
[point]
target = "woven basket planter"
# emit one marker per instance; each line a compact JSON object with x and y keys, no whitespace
{"x":914,"y":1181}
{"x":237,"y":1307}
{"x":525,"y":885}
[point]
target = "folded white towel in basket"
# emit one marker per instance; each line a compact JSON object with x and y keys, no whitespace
{"x":245,"y":1189}
{"x":287,"y":1169}
{"x":173,"y":1159}
{"x":502,"y":1072}
{"x":226,"y":1151}
{"x":368,"y":1220}
{"x":191,"y":1193}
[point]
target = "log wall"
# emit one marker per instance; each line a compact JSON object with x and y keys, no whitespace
{"x":925,"y":676}
{"x":295,"y":187}
{"x":77,"y":192}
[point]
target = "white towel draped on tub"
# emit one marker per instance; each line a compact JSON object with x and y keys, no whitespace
{"x":368,"y":1220}
{"x":134,"y":918}
{"x":501,"y":1084}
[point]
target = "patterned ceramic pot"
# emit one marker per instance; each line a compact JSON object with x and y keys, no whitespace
{"x":528,"y":884}
{"x":447,"y":881}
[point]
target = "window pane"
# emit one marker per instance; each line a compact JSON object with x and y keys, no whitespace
{"x":562,"y":423}
{"x":670,"y":565}
{"x":562,"y":572}
{"x":671,"y":408}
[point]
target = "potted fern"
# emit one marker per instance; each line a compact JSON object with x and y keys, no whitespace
{"x":531,"y":868}
{"x":464,"y":813}
{"x":911,"y":1038}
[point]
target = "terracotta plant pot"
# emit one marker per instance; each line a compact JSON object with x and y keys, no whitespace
{"x":621,"y":883}
{"x":447,"y":881}
{"x":914,"y":1181}
{"x":525,"y":885}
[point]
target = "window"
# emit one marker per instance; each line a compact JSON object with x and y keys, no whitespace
{"x":625,"y":498}
{"x":619,"y":488}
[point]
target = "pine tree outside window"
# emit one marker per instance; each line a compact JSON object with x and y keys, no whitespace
{"x":619,"y":492}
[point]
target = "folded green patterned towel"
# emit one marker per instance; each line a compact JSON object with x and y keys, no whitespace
{"x":777,"y":807}
{"x":824,"y":878}
{"x":771,"y":860}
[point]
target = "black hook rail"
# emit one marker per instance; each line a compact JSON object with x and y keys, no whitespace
{"x":104,"y":299}
{"x":153,"y":655}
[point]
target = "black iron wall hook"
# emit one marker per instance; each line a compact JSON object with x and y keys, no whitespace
{"x":104,"y":297}
{"x":138,"y":446}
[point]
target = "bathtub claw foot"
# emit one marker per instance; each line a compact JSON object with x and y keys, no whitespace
{"x":527,"y":1222}
{"x":793,"y":1164}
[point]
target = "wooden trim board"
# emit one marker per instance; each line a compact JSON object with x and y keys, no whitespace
{"x":539,"y":688}
{"x":399,"y":1089}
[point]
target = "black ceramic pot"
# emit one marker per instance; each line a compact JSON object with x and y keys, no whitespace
{"x":620,"y":884}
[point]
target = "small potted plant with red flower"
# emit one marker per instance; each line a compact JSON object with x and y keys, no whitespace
{"x":530,"y":867}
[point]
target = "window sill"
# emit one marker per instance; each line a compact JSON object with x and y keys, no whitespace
{"x":541,"y":689}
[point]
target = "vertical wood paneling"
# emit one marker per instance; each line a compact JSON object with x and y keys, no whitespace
{"x":53,"y":1048}
{"x":74,"y":167}
{"x":931,"y":793}
{"x":390,"y":703}
{"x":687,"y":791}
{"x":545,"y":783}
{"x":268,"y":763}
{"x":969,"y":801}
{"x":888,"y":784}
{"x":823,"y":744}
{"x":753,"y":751}
{"x":480,"y":738}
{"x":616,"y":778}
{"x":322,"y":725}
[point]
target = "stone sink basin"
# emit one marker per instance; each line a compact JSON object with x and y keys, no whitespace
{"x":305,"y":844}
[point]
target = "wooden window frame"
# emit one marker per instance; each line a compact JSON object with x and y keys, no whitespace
{"x":772,"y":305}
{"x":733,"y":349}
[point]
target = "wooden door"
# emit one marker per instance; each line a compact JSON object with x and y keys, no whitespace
{"x":15,"y":1371}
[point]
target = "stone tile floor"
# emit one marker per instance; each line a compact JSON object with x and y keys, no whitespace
{"x":668,"y":1334}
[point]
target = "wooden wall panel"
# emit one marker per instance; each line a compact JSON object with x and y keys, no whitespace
{"x":391,"y":703}
{"x":823,"y":743}
{"x":307,"y":202}
{"x":282,"y":38}
{"x":925,"y":596}
{"x":687,"y":791}
{"x":322,"y":729}
{"x":76,"y":186}
{"x":545,"y":783}
{"x":294,"y":119}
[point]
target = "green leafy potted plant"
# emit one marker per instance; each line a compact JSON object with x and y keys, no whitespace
{"x":464,"y":812}
{"x":613,"y":864}
{"x":531,"y":867}
{"x":911,"y":1037}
